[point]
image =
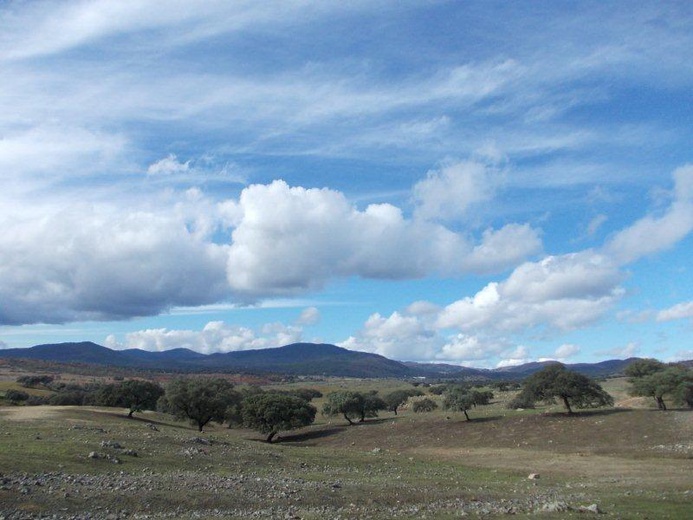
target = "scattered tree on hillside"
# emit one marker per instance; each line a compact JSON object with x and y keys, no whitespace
{"x":424,"y":405}
{"x":650,"y":378}
{"x":16,"y":396}
{"x":458,"y":399}
{"x":353,"y":405}
{"x":35,"y":381}
{"x":395,"y":399}
{"x":572,"y":388}
{"x":481,"y":397}
{"x":272,"y":412}
{"x":307,"y":394}
{"x":200,"y":400}
{"x":134,"y":394}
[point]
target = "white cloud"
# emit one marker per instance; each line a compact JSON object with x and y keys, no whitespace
{"x":463,"y":347}
{"x":93,"y":264}
{"x":398,"y":336}
{"x":560,"y":292}
{"x":169,"y":165}
{"x":653,"y":234}
{"x":519,"y":356}
{"x":216,"y":336}
{"x":566,"y":350}
{"x":595,"y":224}
{"x":448,"y":193}
{"x":503,"y":247}
{"x":622,"y":352}
{"x":309,"y":316}
{"x":677,"y":312}
{"x":290,"y":239}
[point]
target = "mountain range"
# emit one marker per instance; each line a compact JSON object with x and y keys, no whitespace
{"x":295,"y":359}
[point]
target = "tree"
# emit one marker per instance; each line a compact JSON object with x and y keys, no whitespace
{"x":572,"y":388}
{"x":395,"y":399}
{"x":353,"y":405}
{"x":200,"y":400}
{"x":650,"y":378}
{"x":424,"y":405}
{"x":458,"y":399}
{"x":272,"y":412}
{"x":35,"y":381}
{"x":137,"y":395}
{"x":16,"y":396}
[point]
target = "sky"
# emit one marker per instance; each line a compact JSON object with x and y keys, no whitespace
{"x":481,"y":183}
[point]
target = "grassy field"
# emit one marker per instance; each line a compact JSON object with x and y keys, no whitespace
{"x":626,"y":462}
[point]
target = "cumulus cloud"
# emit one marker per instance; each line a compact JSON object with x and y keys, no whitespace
{"x":85,"y":264}
{"x":560,"y":292}
{"x":291,"y":239}
{"x":466,"y":347}
{"x":566,"y":350}
{"x":216,"y":336}
{"x":448,"y":193}
{"x":677,"y":312}
{"x":502,"y":248}
{"x":398,"y":336}
{"x":655,"y":233}
{"x":518,"y":356}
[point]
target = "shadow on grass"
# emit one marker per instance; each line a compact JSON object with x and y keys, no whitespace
{"x":181,"y":425}
{"x":311,"y":435}
{"x":587,"y":413}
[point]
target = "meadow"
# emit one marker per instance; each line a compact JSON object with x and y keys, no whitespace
{"x":629,"y":461}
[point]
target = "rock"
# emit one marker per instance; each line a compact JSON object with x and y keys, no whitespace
{"x":534,"y":476}
{"x":593,"y":508}
{"x":111,"y":444}
{"x":554,"y":507}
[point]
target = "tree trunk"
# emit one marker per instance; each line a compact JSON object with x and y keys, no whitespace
{"x":270,"y":436}
{"x":130,"y":414}
{"x":660,"y":403}
{"x":348,"y":420}
{"x":567,"y":405}
{"x":465,"y":414}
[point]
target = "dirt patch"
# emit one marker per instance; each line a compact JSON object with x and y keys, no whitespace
{"x":581,"y":466}
{"x":31,"y":413}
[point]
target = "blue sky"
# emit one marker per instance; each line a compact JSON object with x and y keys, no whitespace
{"x":479,"y":183}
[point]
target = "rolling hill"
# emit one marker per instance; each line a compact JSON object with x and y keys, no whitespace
{"x":295,"y":359}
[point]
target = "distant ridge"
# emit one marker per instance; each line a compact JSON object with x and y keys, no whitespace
{"x":295,"y":359}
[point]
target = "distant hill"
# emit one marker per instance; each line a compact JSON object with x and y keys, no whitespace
{"x":294,"y":359}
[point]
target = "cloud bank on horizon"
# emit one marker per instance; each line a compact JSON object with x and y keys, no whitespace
{"x":480,"y":183}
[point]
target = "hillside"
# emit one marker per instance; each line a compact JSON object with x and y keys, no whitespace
{"x":295,"y":359}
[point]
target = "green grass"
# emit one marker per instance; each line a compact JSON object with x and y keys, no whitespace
{"x":632,"y":463}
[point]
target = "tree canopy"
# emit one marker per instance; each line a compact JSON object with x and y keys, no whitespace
{"x":573,"y":389}
{"x":135,"y":394}
{"x":353,"y":405}
{"x":200,"y":400}
{"x":272,"y":412}
{"x":650,"y":378}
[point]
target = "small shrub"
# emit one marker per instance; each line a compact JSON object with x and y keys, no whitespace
{"x":16,"y":396}
{"x":424,"y":405}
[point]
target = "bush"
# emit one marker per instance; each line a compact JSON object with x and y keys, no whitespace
{"x":424,"y":405}
{"x":16,"y":396}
